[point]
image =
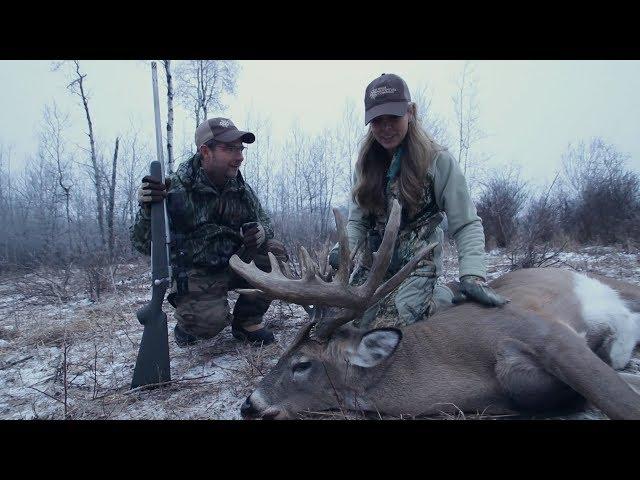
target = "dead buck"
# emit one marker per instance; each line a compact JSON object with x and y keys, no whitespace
{"x":555,"y":345}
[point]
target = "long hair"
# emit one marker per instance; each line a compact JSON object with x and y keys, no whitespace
{"x":373,"y":162}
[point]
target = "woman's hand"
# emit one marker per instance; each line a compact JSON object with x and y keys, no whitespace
{"x":475,"y":288}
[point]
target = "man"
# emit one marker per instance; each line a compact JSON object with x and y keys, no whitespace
{"x":213,"y":213}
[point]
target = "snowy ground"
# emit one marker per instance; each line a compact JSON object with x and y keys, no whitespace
{"x":42,"y":329}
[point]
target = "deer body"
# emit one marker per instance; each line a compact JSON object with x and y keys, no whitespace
{"x":479,"y":359}
{"x":554,"y":345}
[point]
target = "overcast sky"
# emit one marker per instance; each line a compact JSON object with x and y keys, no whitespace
{"x":530,"y":110}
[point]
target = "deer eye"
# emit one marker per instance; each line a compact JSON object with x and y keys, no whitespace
{"x":301,"y":367}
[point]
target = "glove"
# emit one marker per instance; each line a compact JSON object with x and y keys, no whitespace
{"x":151,"y":191}
{"x":253,"y":234}
{"x":334,"y":258}
{"x":278,"y":249}
{"x":475,"y":288}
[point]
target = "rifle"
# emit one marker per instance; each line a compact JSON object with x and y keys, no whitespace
{"x":152,"y":365}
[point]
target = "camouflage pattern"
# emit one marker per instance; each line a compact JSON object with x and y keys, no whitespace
{"x":208,"y":219}
{"x":417,"y":298}
{"x":204,"y":311}
{"x":420,"y":295}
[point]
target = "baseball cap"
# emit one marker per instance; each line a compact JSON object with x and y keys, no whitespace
{"x":386,"y":95}
{"x":221,"y":130}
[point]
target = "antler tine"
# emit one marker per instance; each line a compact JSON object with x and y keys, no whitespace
{"x":345,"y":302}
{"x":325,"y":327}
{"x":275,"y":265}
{"x":399,"y":277}
{"x":344,"y":270}
{"x":305,"y":291}
{"x":309,"y":267}
{"x":382,"y":258}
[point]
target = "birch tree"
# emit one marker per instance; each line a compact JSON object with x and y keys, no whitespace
{"x":169,"y":79}
{"x":112,"y":200}
{"x":202,"y":83}
{"x":77,"y":87}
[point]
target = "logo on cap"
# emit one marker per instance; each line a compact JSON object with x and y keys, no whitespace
{"x":381,"y":91}
{"x":225,"y":123}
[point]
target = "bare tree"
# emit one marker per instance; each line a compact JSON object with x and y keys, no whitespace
{"x":467,"y":119}
{"x":167,"y":71}
{"x":604,"y":200}
{"x":349,"y":133}
{"x":201,"y":84}
{"x":54,"y":147}
{"x":533,"y":245}
{"x":259,"y":159}
{"x":78,"y":88}
{"x":434,"y":124}
{"x":7,"y":246}
{"x":112,"y":199}
{"x":503,"y":196}
{"x":132,"y":165}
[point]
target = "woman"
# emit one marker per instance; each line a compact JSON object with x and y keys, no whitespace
{"x":398,"y":160}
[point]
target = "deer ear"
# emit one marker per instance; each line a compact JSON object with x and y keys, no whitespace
{"x":375,"y":346}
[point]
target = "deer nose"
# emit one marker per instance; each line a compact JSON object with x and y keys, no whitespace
{"x":247,"y":410}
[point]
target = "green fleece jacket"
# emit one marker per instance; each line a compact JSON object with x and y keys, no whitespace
{"x":446,"y":191}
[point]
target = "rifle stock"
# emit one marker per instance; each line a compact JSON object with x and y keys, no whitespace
{"x":152,"y":365}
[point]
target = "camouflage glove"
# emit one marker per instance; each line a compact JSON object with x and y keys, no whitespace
{"x":151,"y":191}
{"x":475,"y":288}
{"x":253,"y":234}
{"x":334,"y":258}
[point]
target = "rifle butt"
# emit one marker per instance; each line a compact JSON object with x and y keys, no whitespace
{"x":152,"y":365}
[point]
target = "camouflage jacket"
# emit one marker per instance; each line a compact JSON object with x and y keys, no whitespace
{"x":207,"y":218}
{"x":445,"y":192}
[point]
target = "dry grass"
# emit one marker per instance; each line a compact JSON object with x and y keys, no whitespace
{"x":209,"y":380}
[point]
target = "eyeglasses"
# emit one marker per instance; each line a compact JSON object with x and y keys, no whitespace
{"x":233,"y":148}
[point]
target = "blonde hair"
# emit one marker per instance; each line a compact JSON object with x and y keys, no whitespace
{"x":419,"y":151}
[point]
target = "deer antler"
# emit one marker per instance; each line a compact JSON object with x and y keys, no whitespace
{"x":311,"y":289}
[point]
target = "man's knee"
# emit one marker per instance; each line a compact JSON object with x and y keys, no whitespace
{"x":250,"y":310}
{"x":202,"y":316}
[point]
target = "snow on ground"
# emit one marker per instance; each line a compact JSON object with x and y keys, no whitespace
{"x":43,"y":329}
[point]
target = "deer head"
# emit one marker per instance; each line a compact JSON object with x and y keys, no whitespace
{"x":328,"y":362}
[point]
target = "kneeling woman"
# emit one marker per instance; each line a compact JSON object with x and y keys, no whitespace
{"x":399,"y":160}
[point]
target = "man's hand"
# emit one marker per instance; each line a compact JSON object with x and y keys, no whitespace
{"x":151,"y":191}
{"x":278,"y":249}
{"x":253,"y":234}
{"x":475,"y":288}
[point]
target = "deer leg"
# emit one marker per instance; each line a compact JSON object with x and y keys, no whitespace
{"x":567,"y":357}
{"x":527,"y":383}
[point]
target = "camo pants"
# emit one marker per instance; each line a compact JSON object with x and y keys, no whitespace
{"x":418,"y":297}
{"x":204,"y":311}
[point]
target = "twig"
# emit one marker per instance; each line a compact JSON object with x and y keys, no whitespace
{"x":95,"y":370}
{"x":161,"y":384}
{"x":11,"y":364}
{"x":66,"y":347}
{"x":335,"y":392}
{"x":45,"y":393}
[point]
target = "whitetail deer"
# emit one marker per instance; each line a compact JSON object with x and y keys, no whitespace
{"x":555,"y":345}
